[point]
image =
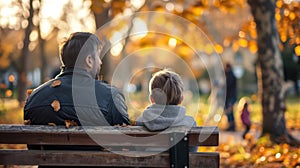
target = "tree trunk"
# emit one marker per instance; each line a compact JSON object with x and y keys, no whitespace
{"x":106,"y":67}
{"x":22,"y":71}
{"x":44,"y":73}
{"x":270,"y":72}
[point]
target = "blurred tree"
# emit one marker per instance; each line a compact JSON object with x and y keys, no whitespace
{"x":105,"y":11}
{"x":270,"y":72}
{"x":101,"y":11}
{"x":24,"y":58}
{"x":44,"y":73}
{"x":41,"y":43}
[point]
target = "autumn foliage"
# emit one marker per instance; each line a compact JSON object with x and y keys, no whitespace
{"x":259,"y":153}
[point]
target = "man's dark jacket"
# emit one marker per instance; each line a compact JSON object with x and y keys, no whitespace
{"x":75,"y":95}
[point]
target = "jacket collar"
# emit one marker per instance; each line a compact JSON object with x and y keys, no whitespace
{"x":74,"y":71}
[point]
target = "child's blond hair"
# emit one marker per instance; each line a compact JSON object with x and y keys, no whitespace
{"x":166,"y":87}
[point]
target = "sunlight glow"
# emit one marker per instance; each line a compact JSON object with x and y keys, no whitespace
{"x":51,"y":9}
{"x":6,"y":12}
{"x":137,"y":3}
{"x":117,"y":36}
{"x":139,"y":29}
{"x":46,"y":28}
{"x":170,"y":6}
{"x":78,"y":16}
{"x":242,"y":34}
{"x":172,"y":42}
{"x":24,"y":24}
{"x":116,"y":49}
{"x":217,"y":117}
{"x":179,"y":8}
{"x":288,"y":1}
{"x":32,"y":46}
{"x":3,"y":21}
{"x":33,"y":35}
{"x":5,"y":2}
{"x":262,"y":159}
{"x":76,"y":26}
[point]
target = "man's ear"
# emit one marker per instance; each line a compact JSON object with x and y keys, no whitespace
{"x":89,"y":61}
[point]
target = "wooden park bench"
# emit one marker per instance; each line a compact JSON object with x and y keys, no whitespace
{"x":111,"y":137}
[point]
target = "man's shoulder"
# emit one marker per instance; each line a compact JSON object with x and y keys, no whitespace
{"x":38,"y":95}
{"x":43,"y":86}
{"x":107,"y":87}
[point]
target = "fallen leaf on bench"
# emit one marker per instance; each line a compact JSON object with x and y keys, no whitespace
{"x":69,"y":123}
{"x":27,"y":122}
{"x":125,"y":149}
{"x":106,"y":149}
{"x":51,"y":124}
{"x":123,"y":125}
{"x":55,"y":83}
{"x":56,"y":105}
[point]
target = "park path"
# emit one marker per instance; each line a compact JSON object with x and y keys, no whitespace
{"x":236,"y":136}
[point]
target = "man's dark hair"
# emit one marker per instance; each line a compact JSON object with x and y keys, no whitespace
{"x":78,"y":46}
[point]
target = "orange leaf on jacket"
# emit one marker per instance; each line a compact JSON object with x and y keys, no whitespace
{"x":55,"y":105}
{"x":55,"y":83}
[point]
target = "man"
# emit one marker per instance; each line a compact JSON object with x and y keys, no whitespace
{"x":75,"y":96}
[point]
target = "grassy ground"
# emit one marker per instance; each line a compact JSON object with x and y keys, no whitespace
{"x":10,"y":112}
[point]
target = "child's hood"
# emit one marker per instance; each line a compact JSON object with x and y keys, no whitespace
{"x":160,"y":117}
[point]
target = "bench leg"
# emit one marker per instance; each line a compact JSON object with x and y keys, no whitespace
{"x":179,"y":152}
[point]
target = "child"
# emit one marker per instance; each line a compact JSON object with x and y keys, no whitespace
{"x":166,"y":89}
{"x":245,"y":117}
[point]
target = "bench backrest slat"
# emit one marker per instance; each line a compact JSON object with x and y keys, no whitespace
{"x":106,"y":136}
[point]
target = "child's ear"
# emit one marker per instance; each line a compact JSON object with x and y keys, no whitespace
{"x":151,"y":99}
{"x":181,"y":99}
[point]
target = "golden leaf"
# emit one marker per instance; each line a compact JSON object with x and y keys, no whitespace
{"x":69,"y":123}
{"x":297,"y":50}
{"x":27,"y":122}
{"x":51,"y":124}
{"x":121,"y":125}
{"x":219,"y":48}
{"x":55,"y":83}
{"x":56,"y":105}
{"x":124,"y":125}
